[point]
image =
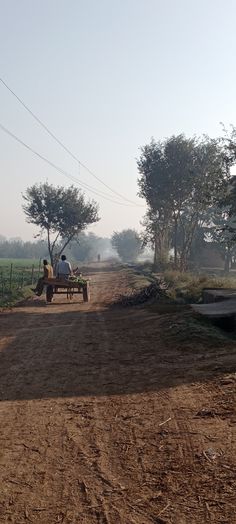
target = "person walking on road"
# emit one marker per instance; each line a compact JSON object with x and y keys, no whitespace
{"x":64,"y":269}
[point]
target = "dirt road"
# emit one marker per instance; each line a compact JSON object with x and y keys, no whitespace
{"x":115,"y":416}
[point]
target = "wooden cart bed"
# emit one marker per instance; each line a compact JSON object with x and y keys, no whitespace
{"x":56,"y":286}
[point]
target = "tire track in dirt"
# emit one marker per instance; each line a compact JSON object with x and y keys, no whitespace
{"x":87,"y":442}
{"x":82,"y":445}
{"x":110,"y":428}
{"x":108,"y":462}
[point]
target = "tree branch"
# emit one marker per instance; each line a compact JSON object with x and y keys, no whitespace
{"x":55,"y":240}
{"x":66,"y":243}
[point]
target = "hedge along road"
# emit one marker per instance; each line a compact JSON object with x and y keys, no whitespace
{"x":115,"y":415}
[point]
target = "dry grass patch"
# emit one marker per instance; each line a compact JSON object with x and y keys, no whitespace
{"x":188,"y":287}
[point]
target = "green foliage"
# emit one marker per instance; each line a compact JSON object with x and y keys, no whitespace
{"x":19,"y":263}
{"x":187,"y":286}
{"x":127,"y":244}
{"x":17,"y":249}
{"x":78,"y":280}
{"x":180,"y":179}
{"x":11,"y":298}
{"x":88,"y":246}
{"x":60,"y":212}
{"x":84,"y":248}
{"x":16,"y":277}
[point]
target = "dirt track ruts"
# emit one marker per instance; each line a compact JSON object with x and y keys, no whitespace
{"x":105,"y":420}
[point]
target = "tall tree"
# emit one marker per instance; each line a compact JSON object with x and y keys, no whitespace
{"x":62,"y":213}
{"x":166,"y":169}
{"x":222,"y":231}
{"x":153,"y":186}
{"x":209,"y":180}
{"x":222,"y":228}
{"x":127,"y":244}
{"x":88,"y":246}
{"x":180,"y":178}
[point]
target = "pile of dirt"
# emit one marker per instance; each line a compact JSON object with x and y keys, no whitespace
{"x":151,"y":293}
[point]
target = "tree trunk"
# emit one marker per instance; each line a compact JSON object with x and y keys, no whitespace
{"x":175,"y":243}
{"x":183,"y":261}
{"x":188,"y":235}
{"x":155,"y":261}
{"x":227,"y":260}
{"x":51,"y":258}
{"x":50,"y":251}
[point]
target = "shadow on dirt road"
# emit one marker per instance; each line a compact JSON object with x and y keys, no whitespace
{"x":79,"y":353}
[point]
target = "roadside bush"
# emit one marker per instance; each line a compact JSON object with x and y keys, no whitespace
{"x":188,"y":287}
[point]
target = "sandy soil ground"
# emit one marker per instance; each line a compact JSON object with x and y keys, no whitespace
{"x":114,"y":416}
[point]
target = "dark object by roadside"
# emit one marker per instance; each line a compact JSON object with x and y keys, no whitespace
{"x":210,"y":295}
{"x":155,"y":291}
{"x":219,"y":306}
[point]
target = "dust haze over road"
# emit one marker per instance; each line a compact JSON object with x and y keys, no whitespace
{"x":109,"y":416}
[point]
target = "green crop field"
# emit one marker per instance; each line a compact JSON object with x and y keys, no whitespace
{"x":16,"y":276}
{"x":18,"y":262}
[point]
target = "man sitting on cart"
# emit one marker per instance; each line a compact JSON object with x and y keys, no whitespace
{"x":64,"y":269}
{"x":47,"y":273}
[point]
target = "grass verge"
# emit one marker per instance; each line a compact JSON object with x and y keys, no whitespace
{"x":12,"y":298}
{"x":188,"y":287}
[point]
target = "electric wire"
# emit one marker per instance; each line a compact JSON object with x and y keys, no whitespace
{"x":81,"y":164}
{"x":60,"y":170}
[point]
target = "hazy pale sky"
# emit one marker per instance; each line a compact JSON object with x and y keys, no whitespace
{"x":105,"y":76}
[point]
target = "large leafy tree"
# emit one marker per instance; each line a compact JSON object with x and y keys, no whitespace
{"x":179,"y":178}
{"x":154,"y":187}
{"x":127,"y":244}
{"x":88,"y":246}
{"x":222,"y":226}
{"x":166,"y":169}
{"x":62,"y":213}
{"x":222,"y":232}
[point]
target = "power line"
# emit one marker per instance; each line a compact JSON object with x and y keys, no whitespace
{"x":60,"y":170}
{"x":65,"y":147}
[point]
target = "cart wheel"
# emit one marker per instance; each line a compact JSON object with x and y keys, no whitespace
{"x":86,"y":293}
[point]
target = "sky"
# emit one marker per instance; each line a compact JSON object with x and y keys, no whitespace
{"x":105,"y":77}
